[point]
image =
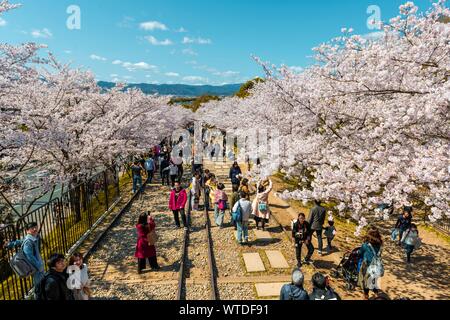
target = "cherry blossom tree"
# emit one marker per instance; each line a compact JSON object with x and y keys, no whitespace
{"x":368,"y":123}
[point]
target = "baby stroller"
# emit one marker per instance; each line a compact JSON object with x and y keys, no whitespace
{"x":348,"y":268}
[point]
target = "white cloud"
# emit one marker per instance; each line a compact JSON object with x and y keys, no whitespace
{"x":172,"y":74}
{"x":187,"y":40}
{"x":148,"y":76}
{"x":96,"y":57}
{"x":44,"y":33}
{"x":181,"y":30}
{"x":156,"y":42}
{"x":138,"y":66}
{"x":2,"y":22}
{"x":296,"y":69}
{"x":128,"y":77}
{"x":114,"y":75}
{"x":68,"y":51}
{"x":193,"y":62}
{"x":153,"y":25}
{"x":227,"y":73}
{"x":117,"y":62}
{"x":189,"y":52}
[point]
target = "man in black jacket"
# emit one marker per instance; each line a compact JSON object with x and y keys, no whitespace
{"x":316,"y":219}
{"x":301,"y":232}
{"x":54,"y":284}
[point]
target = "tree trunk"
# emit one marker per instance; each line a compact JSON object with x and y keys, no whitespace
{"x":75,"y":200}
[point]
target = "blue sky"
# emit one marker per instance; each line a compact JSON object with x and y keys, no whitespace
{"x":187,"y":41}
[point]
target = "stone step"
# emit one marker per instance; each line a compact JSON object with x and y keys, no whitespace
{"x":277,"y":260}
{"x":269,"y":289}
{"x":262,"y":235}
{"x":253,"y":262}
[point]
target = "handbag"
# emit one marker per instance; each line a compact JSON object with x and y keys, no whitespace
{"x":262,"y":207}
{"x":237,"y":216}
{"x":418,"y":244}
{"x":152,"y":238}
{"x":394,"y":234}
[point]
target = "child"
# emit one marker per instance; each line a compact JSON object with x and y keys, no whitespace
{"x":330,"y":233}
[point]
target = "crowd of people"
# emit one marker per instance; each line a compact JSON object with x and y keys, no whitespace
{"x":69,"y":280}
{"x":64,"y":280}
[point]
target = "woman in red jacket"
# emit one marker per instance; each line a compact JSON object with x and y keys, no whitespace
{"x":177,"y":202}
{"x":145,"y":251}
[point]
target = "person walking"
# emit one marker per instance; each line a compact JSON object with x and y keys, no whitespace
{"x":179,"y":165}
{"x":330,"y":233}
{"x":242,"y":226}
{"x":173,"y":172}
{"x":410,"y":241}
{"x":404,"y":223}
{"x":136,"y":171}
{"x":53,"y":287}
{"x":83,"y":291}
{"x":196,"y":191}
{"x":150,"y":166}
{"x":261,"y":209}
{"x":220,"y":202}
{"x":31,"y":247}
{"x":164,"y":170}
{"x":235,"y":171}
{"x":316,"y":219}
{"x":294,"y":290}
{"x":301,"y":232}
{"x":145,"y":251}
{"x":177,"y":203}
{"x":370,"y":264}
{"x":245,"y":187}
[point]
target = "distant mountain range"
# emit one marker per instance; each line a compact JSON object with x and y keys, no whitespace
{"x":179,"y":90}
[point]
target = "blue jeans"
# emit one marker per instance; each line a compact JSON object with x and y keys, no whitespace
{"x":319,"y":239}
{"x":218,"y":215}
{"x":137,"y":180}
{"x":242,"y":231}
{"x":37,"y":277}
{"x":149,"y":176}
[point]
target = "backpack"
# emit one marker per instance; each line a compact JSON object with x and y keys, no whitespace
{"x":20,"y":264}
{"x":376,"y":268}
{"x":149,"y":165}
{"x":222,"y":205}
{"x":39,"y":289}
{"x":237,"y":216}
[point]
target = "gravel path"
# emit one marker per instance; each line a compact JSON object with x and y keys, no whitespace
{"x":113,"y":266}
{"x":197,"y":266}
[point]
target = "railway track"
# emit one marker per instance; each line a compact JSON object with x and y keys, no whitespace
{"x":197,"y":274}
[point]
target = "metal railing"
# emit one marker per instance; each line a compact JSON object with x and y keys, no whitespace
{"x":62,"y":222}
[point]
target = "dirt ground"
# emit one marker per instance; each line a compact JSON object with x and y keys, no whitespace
{"x":426,"y":278}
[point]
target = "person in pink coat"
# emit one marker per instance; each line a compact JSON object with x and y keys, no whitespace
{"x":220,"y":204}
{"x":144,"y":251}
{"x":177,"y":203}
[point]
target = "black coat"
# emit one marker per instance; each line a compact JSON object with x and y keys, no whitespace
{"x":317,"y":217}
{"x":304,"y":230}
{"x":324,"y":294}
{"x":56,"y":286}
